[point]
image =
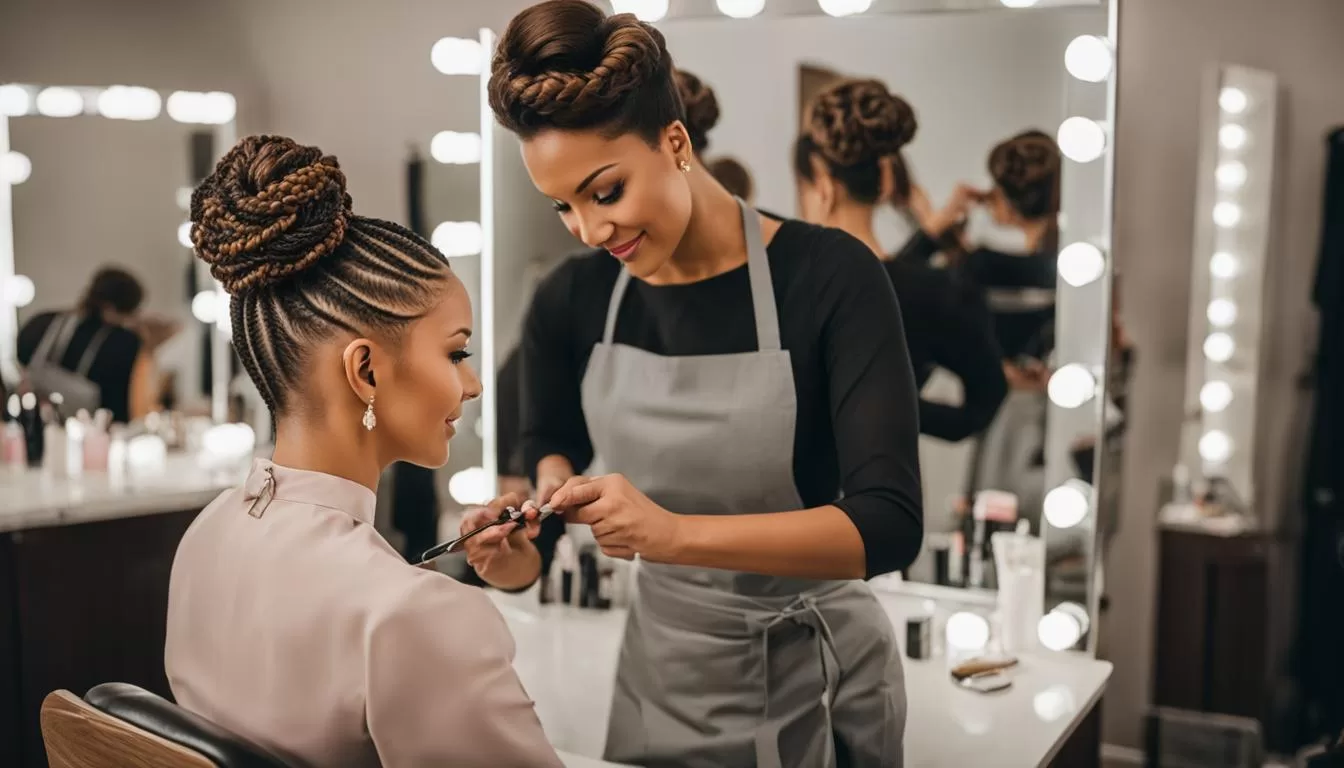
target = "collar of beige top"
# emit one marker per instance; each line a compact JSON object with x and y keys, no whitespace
{"x":269,"y":481}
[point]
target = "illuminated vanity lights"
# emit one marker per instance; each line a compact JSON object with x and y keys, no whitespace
{"x":17,"y":290}
{"x":1066,"y":505}
{"x":967,"y":631}
{"x":15,"y":167}
{"x":1088,"y":58}
{"x":1215,"y":396}
{"x":1222,"y":313}
{"x":210,"y":307}
{"x":1018,"y":3}
{"x":1081,"y":139}
{"x":1227,"y":215}
{"x":1231,"y":175}
{"x":453,"y":148}
{"x":213,"y":108}
{"x":15,"y":100}
{"x":470,"y":487}
{"x":457,"y":56}
{"x":1080,"y":264}
{"x":1062,"y":627}
{"x":59,"y":102}
{"x":644,"y":10}
{"x":458,"y":238}
{"x":1071,"y":385}
{"x":184,"y":234}
{"x":740,"y":9}
{"x":127,"y":102}
{"x":1224,"y":265}
{"x":1232,"y":137}
{"x":844,"y":7}
{"x":1219,"y":347}
{"x":1233,"y":100}
{"x":1215,"y":446}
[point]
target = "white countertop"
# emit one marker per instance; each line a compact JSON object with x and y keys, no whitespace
{"x":567,"y":661}
{"x":35,"y":499}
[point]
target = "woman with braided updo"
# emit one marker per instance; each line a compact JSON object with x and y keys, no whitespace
{"x":847,"y":162}
{"x":745,"y":382}
{"x":291,"y":622}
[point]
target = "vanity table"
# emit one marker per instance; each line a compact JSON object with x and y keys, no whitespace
{"x":566,"y":658}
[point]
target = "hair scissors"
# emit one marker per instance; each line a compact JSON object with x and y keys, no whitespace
{"x":509,"y":515}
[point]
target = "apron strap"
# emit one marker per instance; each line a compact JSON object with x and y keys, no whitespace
{"x":614,"y":307}
{"x":804,"y":611}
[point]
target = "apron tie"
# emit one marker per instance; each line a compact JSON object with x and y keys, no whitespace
{"x":804,"y":612}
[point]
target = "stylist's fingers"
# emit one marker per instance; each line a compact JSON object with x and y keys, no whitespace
{"x":576,"y":492}
{"x":617,"y":551}
{"x":476,"y":517}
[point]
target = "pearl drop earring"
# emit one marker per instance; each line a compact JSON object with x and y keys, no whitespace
{"x":369,"y":421}
{"x":684,"y":166}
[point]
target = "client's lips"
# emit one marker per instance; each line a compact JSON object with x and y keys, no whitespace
{"x":627,"y":249}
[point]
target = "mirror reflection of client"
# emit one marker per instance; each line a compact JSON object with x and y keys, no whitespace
{"x":847,"y":163}
{"x":291,"y":621}
{"x":702,"y":114}
{"x":105,"y":343}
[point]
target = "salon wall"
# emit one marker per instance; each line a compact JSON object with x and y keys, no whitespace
{"x":1165,"y":49}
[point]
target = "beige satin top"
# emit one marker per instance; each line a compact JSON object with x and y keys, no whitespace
{"x":292,"y":622}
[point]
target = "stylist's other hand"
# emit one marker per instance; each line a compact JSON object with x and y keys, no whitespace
{"x":955,"y":211}
{"x":624,"y":521}
{"x":491,"y":550}
{"x":552,"y":472}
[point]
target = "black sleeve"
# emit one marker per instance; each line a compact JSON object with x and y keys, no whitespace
{"x":30,"y":335}
{"x":965,"y":346}
{"x":552,"y":370}
{"x":873,"y":405}
{"x":991,"y":268}
{"x":921,"y":247}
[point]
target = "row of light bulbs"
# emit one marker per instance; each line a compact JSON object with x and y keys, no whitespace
{"x":655,"y":10}
{"x":457,"y":56}
{"x":117,"y":102}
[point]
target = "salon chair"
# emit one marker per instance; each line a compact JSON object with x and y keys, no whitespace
{"x":120,"y":724}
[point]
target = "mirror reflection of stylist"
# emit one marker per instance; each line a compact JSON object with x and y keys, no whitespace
{"x":702,"y":114}
{"x":848,"y":162}
{"x":749,"y":382}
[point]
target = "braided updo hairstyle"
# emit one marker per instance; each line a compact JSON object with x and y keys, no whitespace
{"x":566,"y":65}
{"x":1027,"y":169}
{"x":701,"y":107}
{"x":854,"y":126}
{"x":274,"y":223}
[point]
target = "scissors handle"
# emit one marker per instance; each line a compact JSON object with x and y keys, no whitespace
{"x":509,"y":515}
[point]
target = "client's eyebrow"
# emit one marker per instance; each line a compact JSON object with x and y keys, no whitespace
{"x":589,"y":180}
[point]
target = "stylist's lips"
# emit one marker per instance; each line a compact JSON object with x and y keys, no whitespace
{"x":450,"y":426}
{"x":626,"y":251}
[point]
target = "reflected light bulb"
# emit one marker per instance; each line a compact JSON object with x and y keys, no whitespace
{"x":183,"y":198}
{"x":1232,"y":136}
{"x":1215,"y":396}
{"x":1218,"y":347}
{"x":1227,"y":215}
{"x":1054,"y":703}
{"x":59,"y":102}
{"x":1080,"y":264}
{"x":228,"y":441}
{"x":1062,"y":627}
{"x":1215,"y":446}
{"x":19,"y":290}
{"x":1224,"y":265}
{"x":457,"y":56}
{"x":1066,"y":505}
{"x":1071,"y":386}
{"x":967,"y":631}
{"x":1081,"y":140}
{"x":15,"y":167}
{"x":740,"y":9}
{"x":14,"y":100}
{"x":184,"y":234}
{"x":1018,"y":3}
{"x":1231,"y":175}
{"x":458,"y":238}
{"x":210,"y":307}
{"x":126,"y":102}
{"x":1233,"y":100}
{"x":844,"y":7}
{"x":1222,"y":312}
{"x":470,"y":487}
{"x":453,"y":148}
{"x":644,"y":10}
{"x":214,"y":108}
{"x":1088,"y":58}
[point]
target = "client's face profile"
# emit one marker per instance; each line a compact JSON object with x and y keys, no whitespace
{"x":420,"y":395}
{"x":619,"y":193}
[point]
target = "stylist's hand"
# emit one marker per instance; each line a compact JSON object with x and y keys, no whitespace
{"x":955,"y":211}
{"x":552,"y":472}
{"x":625,"y":522}
{"x":492,"y":552}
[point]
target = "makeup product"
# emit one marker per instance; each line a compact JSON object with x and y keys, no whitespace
{"x":919,"y":637}
{"x":31,"y":420}
{"x":588,"y":578}
{"x":956,"y":559}
{"x":606,"y":576}
{"x":1019,"y":563}
{"x":546,"y":586}
{"x":992,"y":508}
{"x":97,"y":442}
{"x":53,"y":440}
{"x":74,"y":445}
{"x":941,"y":545}
{"x":564,"y":560}
{"x":117,"y":459}
{"x":14,"y":447}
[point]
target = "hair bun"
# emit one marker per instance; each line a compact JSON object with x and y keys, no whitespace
{"x":860,"y":121}
{"x":701,"y":107}
{"x":270,"y":210}
{"x":564,"y":61}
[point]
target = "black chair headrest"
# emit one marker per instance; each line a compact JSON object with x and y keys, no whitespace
{"x":167,"y":720}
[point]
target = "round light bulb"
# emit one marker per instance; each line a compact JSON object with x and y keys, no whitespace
{"x":1066,"y":505}
{"x":1227,"y":215}
{"x":14,"y":100}
{"x":1062,"y":627}
{"x":453,"y":148}
{"x":1071,"y":385}
{"x":59,"y":102}
{"x":15,"y":167}
{"x":470,"y":487}
{"x":1215,"y":396}
{"x":1231,"y":175}
{"x":1054,"y":703}
{"x":184,"y":234}
{"x":457,"y":56}
{"x":210,"y":306}
{"x":125,"y":102}
{"x":1081,"y":140}
{"x":1018,"y":3}
{"x":1224,"y":265}
{"x":844,"y":7}
{"x":1233,"y":100}
{"x":1088,"y":58}
{"x":644,"y":10}
{"x":1222,"y":312}
{"x":19,"y":290}
{"x":1215,"y":446}
{"x":183,"y":197}
{"x":146,"y":453}
{"x":1218,"y":347}
{"x":967,"y":631}
{"x":740,"y":9}
{"x":458,"y":238}
{"x":228,"y":441}
{"x":1232,"y":136}
{"x":1080,"y":263}
{"x":214,"y":108}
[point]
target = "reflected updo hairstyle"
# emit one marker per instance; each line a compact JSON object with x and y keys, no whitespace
{"x":566,"y":65}
{"x":274,"y":223}
{"x":701,"y":108}
{"x":853,"y":126}
{"x":1027,"y":169}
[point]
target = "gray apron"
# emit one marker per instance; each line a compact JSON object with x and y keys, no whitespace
{"x":720,"y":668}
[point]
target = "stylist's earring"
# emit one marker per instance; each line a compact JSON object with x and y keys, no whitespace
{"x":370,"y":421}
{"x":684,"y":166}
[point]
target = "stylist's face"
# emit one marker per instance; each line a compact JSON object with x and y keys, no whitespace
{"x":620,"y":194}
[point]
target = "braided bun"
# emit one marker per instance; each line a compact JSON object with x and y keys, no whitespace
{"x":701,"y":107}
{"x":565,"y":64}
{"x":860,"y":121}
{"x":271,"y":209}
{"x":1027,"y":169}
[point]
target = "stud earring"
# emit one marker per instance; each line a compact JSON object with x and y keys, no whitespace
{"x":684,"y":166}
{"x":369,"y":421}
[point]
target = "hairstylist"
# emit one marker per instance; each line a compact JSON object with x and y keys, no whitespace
{"x":749,"y":383}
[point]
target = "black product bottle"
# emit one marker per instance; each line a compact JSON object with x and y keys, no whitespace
{"x":34,"y":433}
{"x":587,"y":579}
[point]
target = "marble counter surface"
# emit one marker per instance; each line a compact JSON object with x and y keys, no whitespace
{"x":34,"y":499}
{"x":567,"y":660}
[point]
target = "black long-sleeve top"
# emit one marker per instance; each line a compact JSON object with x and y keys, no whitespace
{"x":948,"y":325}
{"x":856,"y":436}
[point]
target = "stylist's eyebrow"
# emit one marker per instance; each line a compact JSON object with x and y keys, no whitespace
{"x":589,"y":180}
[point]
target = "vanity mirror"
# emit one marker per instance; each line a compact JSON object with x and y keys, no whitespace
{"x":1033,"y":80}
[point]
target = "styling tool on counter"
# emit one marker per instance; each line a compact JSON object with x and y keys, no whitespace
{"x":509,"y":515}
{"x":567,"y":563}
{"x":984,"y":675}
{"x":987,"y":682}
{"x":919,"y":637}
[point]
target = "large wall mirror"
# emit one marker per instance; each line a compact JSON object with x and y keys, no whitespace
{"x":976,"y":75}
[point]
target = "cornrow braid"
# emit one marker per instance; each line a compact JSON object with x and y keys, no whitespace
{"x":274,"y":222}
